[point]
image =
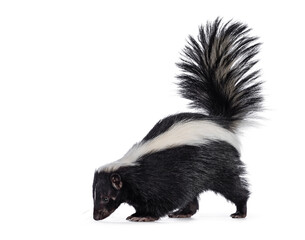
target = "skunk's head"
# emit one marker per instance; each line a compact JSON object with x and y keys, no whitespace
{"x":106,"y":194}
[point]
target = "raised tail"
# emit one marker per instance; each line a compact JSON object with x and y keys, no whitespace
{"x":216,"y":72}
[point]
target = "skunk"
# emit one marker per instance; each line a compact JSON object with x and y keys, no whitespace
{"x":188,"y":153}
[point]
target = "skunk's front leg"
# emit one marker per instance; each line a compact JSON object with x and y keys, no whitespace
{"x":142,"y":217}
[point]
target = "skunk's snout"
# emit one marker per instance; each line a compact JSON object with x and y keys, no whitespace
{"x":100,"y":214}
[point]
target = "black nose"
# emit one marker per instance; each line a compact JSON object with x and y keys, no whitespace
{"x":97,"y":217}
{"x":99,"y":214}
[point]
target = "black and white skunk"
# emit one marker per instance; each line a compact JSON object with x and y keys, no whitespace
{"x":188,"y":153}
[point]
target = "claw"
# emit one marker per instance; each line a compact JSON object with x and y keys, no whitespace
{"x":141,"y":219}
{"x":238,"y":215}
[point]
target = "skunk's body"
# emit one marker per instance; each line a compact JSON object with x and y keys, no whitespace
{"x":188,"y":153}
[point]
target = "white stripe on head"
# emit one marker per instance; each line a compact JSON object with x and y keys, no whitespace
{"x":192,"y":133}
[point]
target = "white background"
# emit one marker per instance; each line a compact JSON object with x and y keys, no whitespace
{"x":81,"y":81}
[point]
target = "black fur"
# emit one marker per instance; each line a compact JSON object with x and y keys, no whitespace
{"x":215,"y":79}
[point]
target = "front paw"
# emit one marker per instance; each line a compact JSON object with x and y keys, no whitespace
{"x":141,"y":219}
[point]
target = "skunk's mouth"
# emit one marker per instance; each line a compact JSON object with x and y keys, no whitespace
{"x":101,"y":214}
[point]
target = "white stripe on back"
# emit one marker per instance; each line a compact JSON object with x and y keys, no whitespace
{"x":192,"y":133}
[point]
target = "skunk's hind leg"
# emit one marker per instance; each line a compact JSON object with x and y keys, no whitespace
{"x":187,"y":211}
{"x":239,"y":195}
{"x":241,"y":210}
{"x":235,"y":189}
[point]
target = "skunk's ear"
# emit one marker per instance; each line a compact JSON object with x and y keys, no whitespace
{"x":116,"y":181}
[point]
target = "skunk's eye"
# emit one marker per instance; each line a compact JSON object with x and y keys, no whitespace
{"x":105,"y":199}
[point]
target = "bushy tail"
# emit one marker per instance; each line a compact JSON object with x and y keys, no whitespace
{"x":216,"y":74}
